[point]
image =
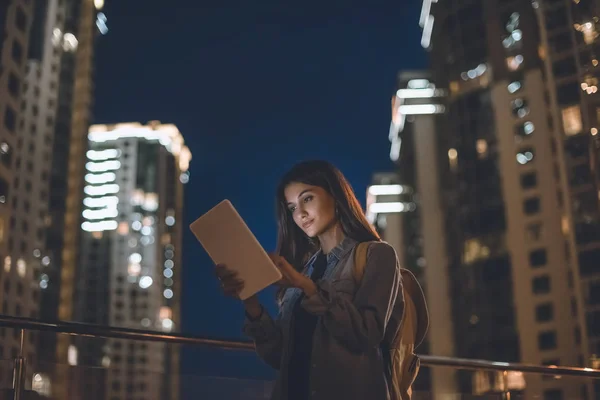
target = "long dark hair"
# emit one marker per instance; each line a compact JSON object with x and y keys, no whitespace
{"x":292,"y":243}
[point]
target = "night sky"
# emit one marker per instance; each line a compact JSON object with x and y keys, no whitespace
{"x":254,"y":87}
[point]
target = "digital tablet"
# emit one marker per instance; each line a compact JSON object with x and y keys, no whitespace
{"x":228,"y":240}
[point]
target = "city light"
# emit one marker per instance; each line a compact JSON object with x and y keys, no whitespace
{"x":102,"y":155}
{"x":108,"y":201}
{"x":98,"y":179}
{"x":384,"y":190}
{"x":166,"y":134}
{"x":391,"y":207}
{"x":99,"y":226}
{"x":103,"y":166}
{"x":421,"y":109}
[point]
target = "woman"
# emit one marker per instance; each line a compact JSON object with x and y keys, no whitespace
{"x":325,"y":342}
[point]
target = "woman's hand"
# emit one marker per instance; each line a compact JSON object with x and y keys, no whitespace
{"x":231,"y":286}
{"x":291,"y":277}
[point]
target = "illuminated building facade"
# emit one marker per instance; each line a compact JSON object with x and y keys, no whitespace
{"x":130,"y":274}
{"x":54,"y":114}
{"x":15,"y":294}
{"x":407,"y":209}
{"x":516,"y":200}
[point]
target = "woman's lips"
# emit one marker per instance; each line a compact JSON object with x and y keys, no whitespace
{"x":307,"y":224}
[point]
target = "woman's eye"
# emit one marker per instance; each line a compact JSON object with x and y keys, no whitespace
{"x":308,"y":198}
{"x":292,"y":209}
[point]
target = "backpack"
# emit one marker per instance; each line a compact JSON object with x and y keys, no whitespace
{"x":401,"y":337}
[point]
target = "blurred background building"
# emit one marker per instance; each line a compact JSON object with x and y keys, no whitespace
{"x":15,"y":278}
{"x":50,"y":188}
{"x":510,"y":173}
{"x":130,"y":266}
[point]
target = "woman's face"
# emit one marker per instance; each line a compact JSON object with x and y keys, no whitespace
{"x":312,"y":208}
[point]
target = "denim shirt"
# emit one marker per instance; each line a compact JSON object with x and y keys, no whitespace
{"x":346,"y":358}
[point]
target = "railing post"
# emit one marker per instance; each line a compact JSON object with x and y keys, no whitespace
{"x":506,"y":391}
{"x":19,"y":370}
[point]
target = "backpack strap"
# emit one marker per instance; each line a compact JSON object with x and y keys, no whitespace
{"x":415,"y":305}
{"x":360,"y":261}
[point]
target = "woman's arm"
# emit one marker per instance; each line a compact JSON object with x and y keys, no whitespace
{"x":264,"y":331}
{"x":360,"y":323}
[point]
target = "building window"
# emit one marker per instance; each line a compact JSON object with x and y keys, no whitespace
{"x":17,"y":52}
{"x":538,"y":258}
{"x":525,"y":156}
{"x":529,"y":180}
{"x":571,"y":117}
{"x":531,"y":206}
{"x":534,"y":231}
{"x":547,"y":340}
{"x":520,"y":108}
{"x":21,"y":20}
{"x":594,"y":293}
{"x":544,"y":312}
{"x":10,"y":119}
{"x":540,"y":285}
{"x":525,"y":129}
{"x":13,"y":85}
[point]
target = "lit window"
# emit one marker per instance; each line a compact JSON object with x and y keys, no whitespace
{"x":70,"y":42}
{"x":474,"y":250}
{"x":453,"y":158}
{"x":525,"y":156}
{"x":184,"y":177}
{"x":72,"y":355}
{"x":525,"y":129}
{"x":514,"y":87}
{"x":56,"y":37}
{"x":513,"y":22}
{"x":165,"y":312}
{"x":514,"y":62}
{"x":145,"y":282}
{"x":520,"y":108}
{"x":21,"y":267}
{"x":150,"y":202}
{"x":41,"y":384}
{"x":572,"y":123}
{"x":588,"y":30}
{"x":167,"y":324}
{"x":7,"y":264}
{"x":482,"y":148}
{"x":123,"y":228}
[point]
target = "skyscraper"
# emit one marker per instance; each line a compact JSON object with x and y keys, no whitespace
{"x":15,"y":22}
{"x":52,"y":124}
{"x":129,"y":273}
{"x":517,"y":192}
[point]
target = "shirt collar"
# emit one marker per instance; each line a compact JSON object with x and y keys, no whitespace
{"x":338,"y":251}
{"x":342,"y":249}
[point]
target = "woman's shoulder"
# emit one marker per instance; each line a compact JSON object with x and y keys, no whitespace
{"x":381,"y":248}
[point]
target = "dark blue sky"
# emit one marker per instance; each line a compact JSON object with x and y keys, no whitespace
{"x":255,"y":87}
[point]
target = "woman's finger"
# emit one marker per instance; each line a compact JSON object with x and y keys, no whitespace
{"x":223,"y":272}
{"x":233,"y":289}
{"x":232,"y":284}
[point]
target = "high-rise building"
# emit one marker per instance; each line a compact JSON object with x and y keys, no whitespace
{"x":514,"y":213}
{"x":407,"y":210}
{"x":129,"y":272}
{"x":54,"y":104}
{"x":15,"y":294}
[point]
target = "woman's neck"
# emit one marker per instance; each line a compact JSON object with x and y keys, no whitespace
{"x":331,"y":238}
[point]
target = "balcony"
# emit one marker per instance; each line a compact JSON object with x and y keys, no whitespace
{"x":132,"y":371}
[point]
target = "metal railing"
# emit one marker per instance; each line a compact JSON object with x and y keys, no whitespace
{"x":107,"y":332}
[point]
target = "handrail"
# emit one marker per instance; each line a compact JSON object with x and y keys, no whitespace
{"x":99,"y":331}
